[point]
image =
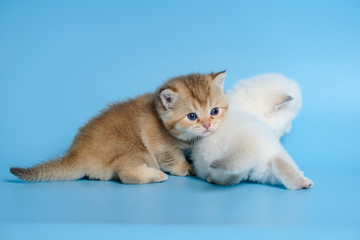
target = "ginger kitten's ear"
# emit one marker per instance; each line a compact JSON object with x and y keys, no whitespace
{"x":168,"y":98}
{"x":219,"y":79}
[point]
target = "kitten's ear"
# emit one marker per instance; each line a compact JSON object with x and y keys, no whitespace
{"x":219,"y":79}
{"x":168,"y":98}
{"x":282,"y":102}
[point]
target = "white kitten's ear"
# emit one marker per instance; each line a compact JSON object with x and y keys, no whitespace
{"x":283,"y":102}
{"x":219,"y":79}
{"x":168,"y":98}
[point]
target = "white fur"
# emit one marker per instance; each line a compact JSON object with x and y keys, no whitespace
{"x":246,"y":146}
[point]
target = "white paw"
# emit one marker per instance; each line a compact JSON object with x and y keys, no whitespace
{"x":300,"y":183}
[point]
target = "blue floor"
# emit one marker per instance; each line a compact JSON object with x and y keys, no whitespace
{"x":183,"y":206}
{"x":61,"y":62}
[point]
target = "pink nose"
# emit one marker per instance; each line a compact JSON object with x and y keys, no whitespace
{"x":206,"y":125}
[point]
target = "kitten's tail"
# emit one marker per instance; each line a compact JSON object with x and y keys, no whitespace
{"x":60,"y":169}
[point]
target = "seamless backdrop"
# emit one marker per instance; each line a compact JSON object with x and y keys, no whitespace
{"x":61,"y":62}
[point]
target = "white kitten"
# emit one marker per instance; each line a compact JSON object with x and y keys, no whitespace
{"x":246,"y":146}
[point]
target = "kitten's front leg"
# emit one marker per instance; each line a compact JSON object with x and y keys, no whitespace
{"x":174,"y":162}
{"x":288,"y":173}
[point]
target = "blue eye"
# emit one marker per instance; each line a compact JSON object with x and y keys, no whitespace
{"x":214,"y":111}
{"x":192,"y":116}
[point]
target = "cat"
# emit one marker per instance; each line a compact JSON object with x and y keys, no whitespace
{"x":137,"y":141}
{"x":246,"y":146}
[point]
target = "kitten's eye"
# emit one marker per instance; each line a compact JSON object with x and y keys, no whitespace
{"x":192,"y":116}
{"x":214,"y":111}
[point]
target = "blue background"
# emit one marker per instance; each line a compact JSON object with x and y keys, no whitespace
{"x":61,"y":62}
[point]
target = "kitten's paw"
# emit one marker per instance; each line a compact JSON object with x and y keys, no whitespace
{"x":210,"y":180}
{"x":184,"y":169}
{"x":300,"y":183}
{"x":142,"y":175}
{"x":160,"y":177}
{"x":307,"y":183}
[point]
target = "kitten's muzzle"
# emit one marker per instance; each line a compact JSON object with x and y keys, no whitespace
{"x":206,"y":124}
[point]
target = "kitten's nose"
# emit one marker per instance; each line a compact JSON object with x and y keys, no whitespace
{"x":206,"y":125}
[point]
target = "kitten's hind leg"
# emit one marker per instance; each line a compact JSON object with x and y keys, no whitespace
{"x":225,"y":172}
{"x":134,"y":169}
{"x":289,"y":174}
{"x":224,"y":164}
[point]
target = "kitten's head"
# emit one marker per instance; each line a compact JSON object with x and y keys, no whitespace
{"x":273,"y":98}
{"x":192,"y":106}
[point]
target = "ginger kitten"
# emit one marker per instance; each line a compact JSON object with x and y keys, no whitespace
{"x":247,"y":146}
{"x":138,"y":140}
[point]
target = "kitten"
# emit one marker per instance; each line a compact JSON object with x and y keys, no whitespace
{"x":246,"y":146}
{"x":135,"y":141}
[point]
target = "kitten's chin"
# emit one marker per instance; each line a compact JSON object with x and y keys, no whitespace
{"x":186,"y":137}
{"x":192,"y":136}
{"x":207,"y":133}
